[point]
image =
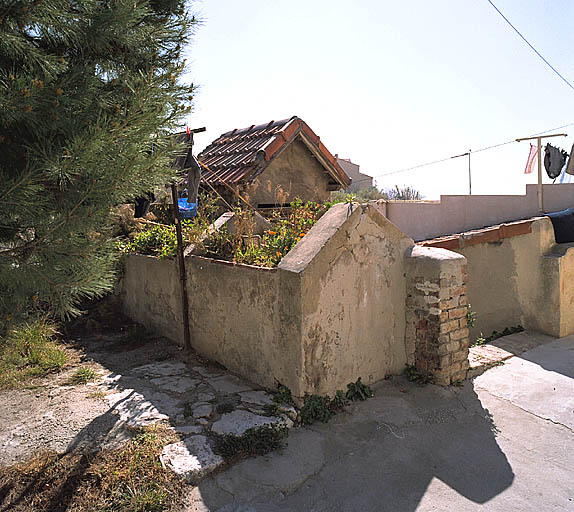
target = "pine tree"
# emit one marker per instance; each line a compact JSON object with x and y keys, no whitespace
{"x":89,"y":92}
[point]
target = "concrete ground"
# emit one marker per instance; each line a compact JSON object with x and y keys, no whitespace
{"x":503,"y":441}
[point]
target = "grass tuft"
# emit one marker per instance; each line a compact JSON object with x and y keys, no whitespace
{"x":83,"y":376}
{"x":30,"y":351}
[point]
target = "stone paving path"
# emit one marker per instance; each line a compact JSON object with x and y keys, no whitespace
{"x":148,"y":381}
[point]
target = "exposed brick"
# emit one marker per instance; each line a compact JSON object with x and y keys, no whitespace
{"x":459,"y":334}
{"x":456,"y":313}
{"x":443,"y":316}
{"x":443,"y":338}
{"x":449,"y":326}
{"x":463,"y":322}
{"x":459,"y":356}
{"x":459,"y":290}
{"x":431,"y":299}
{"x":448,"y":304}
{"x":445,"y":361}
{"x":427,"y":286}
{"x":462,"y":300}
{"x":458,"y":376}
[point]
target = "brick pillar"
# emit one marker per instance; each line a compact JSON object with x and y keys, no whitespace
{"x":437,"y":335}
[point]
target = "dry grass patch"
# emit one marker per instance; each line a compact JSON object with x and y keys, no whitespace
{"x":130,"y":479}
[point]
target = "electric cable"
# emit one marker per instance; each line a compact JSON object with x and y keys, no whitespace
{"x":531,"y":46}
{"x":464,"y":154}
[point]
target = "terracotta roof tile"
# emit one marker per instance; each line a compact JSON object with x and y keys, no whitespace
{"x":239,"y":155}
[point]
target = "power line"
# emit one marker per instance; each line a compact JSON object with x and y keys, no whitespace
{"x":473,"y":151}
{"x":532,"y":47}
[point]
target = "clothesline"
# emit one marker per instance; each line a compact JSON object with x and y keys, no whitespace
{"x":474,"y":151}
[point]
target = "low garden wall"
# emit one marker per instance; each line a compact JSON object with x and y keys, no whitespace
{"x":334,"y":309}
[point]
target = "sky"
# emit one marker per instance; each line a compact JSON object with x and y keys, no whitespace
{"x":392,"y":84}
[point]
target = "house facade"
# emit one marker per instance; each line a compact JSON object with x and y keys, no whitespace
{"x":360,"y":181}
{"x":272,"y":164}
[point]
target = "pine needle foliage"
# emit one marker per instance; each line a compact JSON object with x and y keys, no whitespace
{"x":89,"y":92}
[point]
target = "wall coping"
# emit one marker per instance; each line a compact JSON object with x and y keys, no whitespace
{"x":482,"y":236}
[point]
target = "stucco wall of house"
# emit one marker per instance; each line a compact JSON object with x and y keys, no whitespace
{"x":423,"y":220}
{"x":353,"y":287}
{"x":360,"y":181}
{"x":295,"y":173}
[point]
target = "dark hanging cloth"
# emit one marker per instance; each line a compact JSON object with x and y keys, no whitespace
{"x":563,"y":224}
{"x":142,"y":205}
{"x":570,"y":167}
{"x":193,"y":178}
{"x":554,"y":160}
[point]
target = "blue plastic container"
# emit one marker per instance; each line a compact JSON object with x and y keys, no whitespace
{"x":186,"y":210}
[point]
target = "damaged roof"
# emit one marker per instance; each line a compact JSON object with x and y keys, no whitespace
{"x":240,"y":155}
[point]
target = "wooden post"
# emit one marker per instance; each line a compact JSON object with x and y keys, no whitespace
{"x":181,"y":264}
{"x":539,"y":143}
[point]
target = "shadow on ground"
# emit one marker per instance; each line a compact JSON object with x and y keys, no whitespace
{"x":381,"y":455}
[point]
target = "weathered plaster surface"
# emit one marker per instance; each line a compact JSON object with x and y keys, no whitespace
{"x":296,"y":172}
{"x":353,"y":298}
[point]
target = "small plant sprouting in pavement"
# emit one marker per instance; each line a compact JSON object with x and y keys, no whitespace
{"x":358,"y":391}
{"x":470,"y":316}
{"x":255,"y":441}
{"x":224,"y":408}
{"x":413,"y":375}
{"x":83,"y":376}
{"x":322,"y":408}
{"x":481,"y":340}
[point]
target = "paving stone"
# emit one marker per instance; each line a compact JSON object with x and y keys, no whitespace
{"x":289,"y":411}
{"x":161,"y":369}
{"x":191,"y":458}
{"x":186,"y":430}
{"x":175,"y":383}
{"x":237,"y":422}
{"x":229,"y":384}
{"x":208,"y":373}
{"x":256,"y":397}
{"x":204,"y":397}
{"x":202,"y":411}
{"x":134,"y":409}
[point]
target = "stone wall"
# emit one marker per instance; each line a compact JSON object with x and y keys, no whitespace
{"x":437,"y":335}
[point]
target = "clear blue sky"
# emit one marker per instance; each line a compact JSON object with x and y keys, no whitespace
{"x":392,"y":84}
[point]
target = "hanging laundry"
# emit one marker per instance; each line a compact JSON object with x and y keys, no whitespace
{"x":564,"y":178}
{"x":554,"y":160}
{"x":142,"y":205}
{"x":531,"y":159}
{"x":570,"y":167}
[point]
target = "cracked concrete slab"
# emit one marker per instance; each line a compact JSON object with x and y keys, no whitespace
{"x":413,"y":448}
{"x":191,"y":458}
{"x":238,"y":422}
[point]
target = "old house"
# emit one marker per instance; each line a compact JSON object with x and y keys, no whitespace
{"x":272,"y":164}
{"x":360,"y":180}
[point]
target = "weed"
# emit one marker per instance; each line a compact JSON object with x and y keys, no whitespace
{"x":224,"y":408}
{"x":97,"y":394}
{"x":339,"y":401}
{"x":255,"y":441}
{"x":481,"y":340}
{"x":271,"y":409}
{"x":470,"y":316}
{"x":30,"y":351}
{"x":316,"y":408}
{"x":83,"y":375}
{"x":413,"y":375}
{"x":283,"y":395}
{"x":358,"y":391}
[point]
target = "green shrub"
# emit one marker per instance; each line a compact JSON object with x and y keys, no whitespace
{"x":358,"y":391}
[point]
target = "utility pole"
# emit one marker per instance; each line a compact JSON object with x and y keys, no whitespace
{"x":469,"y":175}
{"x":539,"y":142}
